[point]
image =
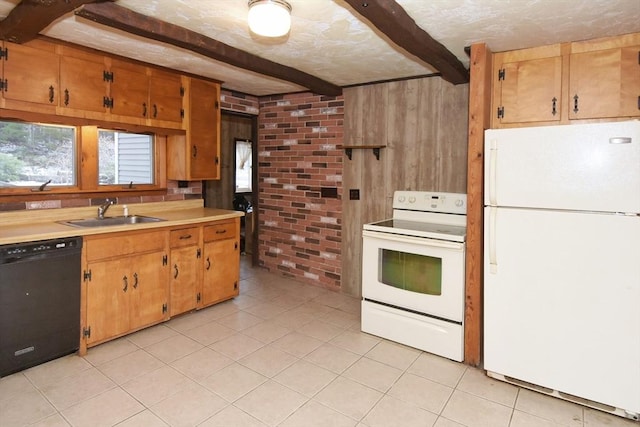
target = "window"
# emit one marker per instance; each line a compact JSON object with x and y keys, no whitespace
{"x":33,"y":154}
{"x":125,"y":158}
{"x":243,"y":165}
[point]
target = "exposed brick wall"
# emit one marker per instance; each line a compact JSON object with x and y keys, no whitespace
{"x":239,"y":102}
{"x":300,"y":138}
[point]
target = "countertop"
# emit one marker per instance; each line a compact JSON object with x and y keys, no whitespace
{"x":42,"y":224}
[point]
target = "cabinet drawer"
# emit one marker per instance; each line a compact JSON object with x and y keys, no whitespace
{"x":113,"y":245}
{"x":184,"y":237}
{"x":220,"y":231}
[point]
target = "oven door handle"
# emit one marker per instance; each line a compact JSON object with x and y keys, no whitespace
{"x":413,"y":240}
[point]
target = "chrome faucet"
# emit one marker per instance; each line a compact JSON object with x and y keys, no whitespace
{"x":102,"y":209}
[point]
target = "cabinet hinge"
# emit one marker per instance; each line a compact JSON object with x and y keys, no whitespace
{"x":164,"y":260}
{"x":4,"y":85}
{"x":217,"y":105}
{"x":182,"y":113}
{"x":501,"y":74}
{"x":107,"y":76}
{"x":217,"y":160}
{"x":87,"y":275}
{"x":199,"y":253}
{"x":235,"y":246}
{"x":181,"y":91}
{"x":235,"y":286}
{"x":86,"y":332}
{"x":501,"y":112}
{"x":198,"y":297}
{"x":4,"y":53}
{"x":164,"y":308}
{"x":107,"y":102}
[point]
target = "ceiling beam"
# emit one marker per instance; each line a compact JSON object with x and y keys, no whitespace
{"x":390,"y":18}
{"x":29,"y":17}
{"x":132,"y":22}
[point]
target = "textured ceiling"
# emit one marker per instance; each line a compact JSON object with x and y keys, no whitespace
{"x":330,"y":41}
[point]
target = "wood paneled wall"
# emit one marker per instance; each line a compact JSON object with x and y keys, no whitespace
{"x":423,"y":123}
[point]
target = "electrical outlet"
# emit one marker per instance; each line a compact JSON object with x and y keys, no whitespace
{"x":354,"y":194}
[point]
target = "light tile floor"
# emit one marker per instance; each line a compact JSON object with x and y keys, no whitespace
{"x":281,"y":354}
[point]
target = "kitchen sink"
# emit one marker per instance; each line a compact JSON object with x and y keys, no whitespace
{"x":112,"y":220}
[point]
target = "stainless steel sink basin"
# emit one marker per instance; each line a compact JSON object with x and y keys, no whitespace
{"x":113,"y":220}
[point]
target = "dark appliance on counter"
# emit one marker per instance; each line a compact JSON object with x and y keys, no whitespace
{"x":39,"y":302}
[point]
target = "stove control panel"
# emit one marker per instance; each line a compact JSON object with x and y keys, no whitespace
{"x":427,"y":201}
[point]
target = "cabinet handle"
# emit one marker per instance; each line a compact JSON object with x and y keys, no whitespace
{"x":195,"y":151}
{"x":144,"y":109}
{"x":175,"y":274}
{"x":221,"y":231}
{"x":51,"y":94}
{"x":126,"y":284}
{"x":185,"y":237}
{"x":66,"y":97}
{"x":135,"y":280}
{"x":208,"y":263}
{"x":575,"y":103}
{"x":155,"y":111}
{"x":554,"y":110}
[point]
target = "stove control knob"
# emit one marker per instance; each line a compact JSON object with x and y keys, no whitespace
{"x":401,"y":199}
{"x":412,"y":199}
{"x":459,"y":203}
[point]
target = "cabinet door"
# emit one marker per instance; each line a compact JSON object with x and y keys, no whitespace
{"x":130,"y":91}
{"x":605,"y":83}
{"x":83,"y":84}
{"x":204,"y":132}
{"x":149,"y":291}
{"x":185,"y":267}
{"x":221,"y":270}
{"x":31,"y":75}
{"x":529,"y":90}
{"x":108,"y":300}
{"x":165,"y":94}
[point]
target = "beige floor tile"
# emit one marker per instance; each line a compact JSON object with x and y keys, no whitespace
{"x":232,"y":417}
{"x":268,"y":361}
{"x":104,"y":410}
{"x":305,"y":378}
{"x":313,"y":308}
{"x":393,"y":354}
{"x":188,"y":321}
{"x":357,"y":342}
{"x":24,"y":408}
{"x":390,"y":411}
{"x":320,"y":330}
{"x":218,"y":311}
{"x":55,"y":370}
{"x":282,"y":402}
{"x":333,"y":299}
{"x":152,"y":335}
{"x":237,"y":346}
{"x":173,"y":348}
{"x":55,"y":420}
{"x":341,"y":319}
{"x":349,"y":397}
{"x":594,"y":418}
{"x":14,"y":385}
{"x":191,"y":406}
{"x":522,"y":419}
{"x":233,"y":382}
{"x":444,"y":422}
{"x":157,"y":385}
{"x":297,"y":344}
{"x":313,"y":414}
{"x":243,"y":301}
{"x":209,"y":333}
{"x":475,"y":381}
{"x":201,"y":364}
{"x":293,"y":319}
{"x":266,"y":332}
{"x":109,"y":351}
{"x":71,"y":390}
{"x":550,"y":408}
{"x":143,"y":419}
{"x":129,"y":366}
{"x":333,"y":358}
{"x":240,"y":320}
{"x":474,"y":411}
{"x":288,"y":300}
{"x":373,"y":374}
{"x":266,"y":310}
{"x":421,"y":392}
{"x":438,"y":369}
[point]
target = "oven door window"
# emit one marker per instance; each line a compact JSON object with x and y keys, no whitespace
{"x":411,"y":272}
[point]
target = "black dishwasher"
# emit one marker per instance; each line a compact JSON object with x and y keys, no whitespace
{"x":39,"y":302}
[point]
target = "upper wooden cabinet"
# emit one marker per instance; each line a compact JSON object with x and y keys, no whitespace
{"x":129,"y":90}
{"x":557,"y":84}
{"x":83,"y":83}
{"x":165,"y":97}
{"x":196,"y":155}
{"x":30,"y":77}
{"x":605,"y":83}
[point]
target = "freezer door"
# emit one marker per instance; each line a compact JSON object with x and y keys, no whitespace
{"x":561,"y":294}
{"x":592,"y":167}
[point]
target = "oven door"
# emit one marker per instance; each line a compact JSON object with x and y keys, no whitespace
{"x":414,"y":273}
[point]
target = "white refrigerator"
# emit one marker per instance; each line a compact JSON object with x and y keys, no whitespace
{"x":562,"y":261}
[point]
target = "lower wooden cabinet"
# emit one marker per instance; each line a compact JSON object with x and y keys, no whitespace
{"x":221,"y":257}
{"x":186,"y":266}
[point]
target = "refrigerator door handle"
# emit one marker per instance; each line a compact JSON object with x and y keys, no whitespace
{"x":620,"y":140}
{"x":493,"y":159}
{"x":493,"y":262}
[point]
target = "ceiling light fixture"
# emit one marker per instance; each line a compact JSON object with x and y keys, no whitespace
{"x":269,"y":18}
